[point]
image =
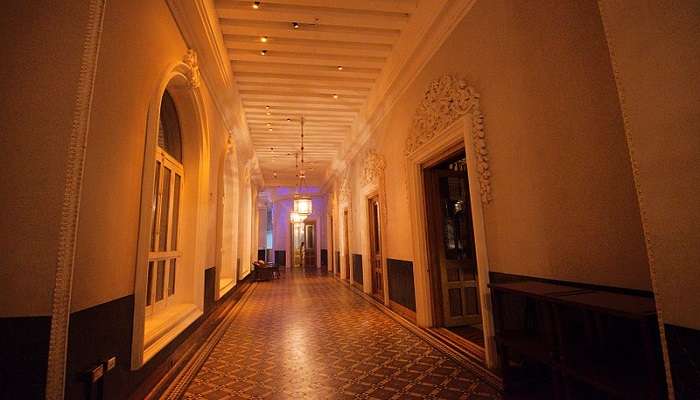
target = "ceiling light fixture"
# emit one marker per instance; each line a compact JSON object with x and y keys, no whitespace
{"x":335,"y":96}
{"x":296,"y":25}
{"x":263,"y":52}
{"x":256,"y":5}
{"x":340,"y":67}
{"x":303,"y":206}
{"x":263,"y":39}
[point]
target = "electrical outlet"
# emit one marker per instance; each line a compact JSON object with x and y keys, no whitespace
{"x":111,"y":363}
{"x":97,"y":373}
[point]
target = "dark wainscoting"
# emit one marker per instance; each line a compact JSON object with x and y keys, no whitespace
{"x":401,"y":287}
{"x":281,"y":258}
{"x":357,"y":268}
{"x":262,"y":255}
{"x":336,"y":267}
{"x":684,"y":354}
{"x":104,"y":331}
{"x":324,"y":258}
{"x":209,"y":288}
{"x":24,"y":352}
{"x":499,"y":277}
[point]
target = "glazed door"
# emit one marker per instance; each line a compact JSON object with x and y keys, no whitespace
{"x":455,"y":248}
{"x":376,"y":249}
{"x":310,"y":241}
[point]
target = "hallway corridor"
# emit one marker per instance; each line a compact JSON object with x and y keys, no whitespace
{"x":305,"y":336}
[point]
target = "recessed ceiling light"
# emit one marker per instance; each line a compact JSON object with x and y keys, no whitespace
{"x":263,"y":39}
{"x":269,"y":129}
{"x":340,"y":67}
{"x":335,"y":96}
{"x":269,"y":113}
{"x":289,"y":120}
{"x":267,"y":108}
{"x":269,"y":124}
{"x":256,"y":5}
{"x":263,"y":52}
{"x":295,"y":25}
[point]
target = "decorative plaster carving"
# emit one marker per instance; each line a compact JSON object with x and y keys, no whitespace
{"x":373,"y":169}
{"x":70,"y":209}
{"x":345,"y":191}
{"x":193,"y":75}
{"x":447,"y":99}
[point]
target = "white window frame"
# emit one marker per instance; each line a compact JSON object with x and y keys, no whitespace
{"x":154,"y":305}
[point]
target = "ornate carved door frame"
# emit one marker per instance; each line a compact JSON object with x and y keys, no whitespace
{"x":449,"y":118}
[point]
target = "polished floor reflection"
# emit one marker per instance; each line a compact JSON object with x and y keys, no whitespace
{"x":306,"y":336}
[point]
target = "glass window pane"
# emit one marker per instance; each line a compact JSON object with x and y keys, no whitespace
{"x":155,"y":206}
{"x":160,"y":277}
{"x":165,"y":200}
{"x":149,"y":279}
{"x":169,"y":129}
{"x":176,"y":212}
{"x":171,"y":277}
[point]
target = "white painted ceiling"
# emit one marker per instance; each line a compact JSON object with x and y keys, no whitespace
{"x":299,"y":74}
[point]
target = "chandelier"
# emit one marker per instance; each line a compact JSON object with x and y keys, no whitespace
{"x":303,"y":206}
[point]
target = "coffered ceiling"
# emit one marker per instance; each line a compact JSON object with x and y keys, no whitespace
{"x":316,"y":58}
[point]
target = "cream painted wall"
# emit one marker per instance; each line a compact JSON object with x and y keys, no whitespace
{"x":655,"y":50}
{"x":564,"y":205}
{"x":133,"y":59}
{"x":39,"y":81}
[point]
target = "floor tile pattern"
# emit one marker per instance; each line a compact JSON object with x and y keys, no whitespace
{"x":306,"y":337}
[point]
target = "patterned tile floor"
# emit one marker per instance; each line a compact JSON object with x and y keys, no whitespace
{"x":306,"y":337}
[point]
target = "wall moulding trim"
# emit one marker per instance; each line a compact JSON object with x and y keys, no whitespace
{"x":70,"y":209}
{"x":447,"y":99}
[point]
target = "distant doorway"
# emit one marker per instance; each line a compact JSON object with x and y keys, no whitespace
{"x":375,"y":248}
{"x":452,"y":249}
{"x":303,"y":238}
{"x":346,"y":244}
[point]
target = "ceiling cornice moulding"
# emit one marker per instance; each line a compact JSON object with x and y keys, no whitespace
{"x":199,"y":27}
{"x":400,"y":75}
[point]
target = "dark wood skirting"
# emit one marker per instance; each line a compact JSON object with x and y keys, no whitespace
{"x":281,"y":258}
{"x":209,"y":288}
{"x":401,"y":286}
{"x":684,"y":355}
{"x":104,"y":331}
{"x":324,"y":257}
{"x":24,"y":349}
{"x":499,"y":277}
{"x":357,"y":269}
{"x":336,"y":267}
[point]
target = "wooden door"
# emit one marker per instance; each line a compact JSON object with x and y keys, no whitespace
{"x":376,"y":248}
{"x":346,"y":244}
{"x":310,"y":245}
{"x":453,"y":244}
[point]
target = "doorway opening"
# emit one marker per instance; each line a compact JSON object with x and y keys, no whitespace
{"x":303,"y":244}
{"x":375,"y":248}
{"x":452,"y":251}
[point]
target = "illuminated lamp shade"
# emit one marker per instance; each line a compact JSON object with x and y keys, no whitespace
{"x":296,"y":217}
{"x":302,"y":205}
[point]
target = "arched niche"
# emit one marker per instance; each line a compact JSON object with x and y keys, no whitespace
{"x":150,"y":335}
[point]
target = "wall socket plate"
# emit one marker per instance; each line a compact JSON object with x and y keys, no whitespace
{"x":110,"y":363}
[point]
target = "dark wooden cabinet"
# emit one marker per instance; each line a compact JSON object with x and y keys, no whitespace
{"x":562,"y":342}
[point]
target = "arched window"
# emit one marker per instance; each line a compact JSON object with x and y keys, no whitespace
{"x":165,"y":253}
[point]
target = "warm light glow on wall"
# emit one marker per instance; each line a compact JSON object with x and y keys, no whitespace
{"x":303,"y":205}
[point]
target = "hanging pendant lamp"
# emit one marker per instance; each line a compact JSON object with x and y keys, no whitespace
{"x":302,"y":203}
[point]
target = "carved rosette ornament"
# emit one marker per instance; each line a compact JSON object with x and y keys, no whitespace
{"x":447,"y":99}
{"x":373,"y":168}
{"x":373,"y":174}
{"x":193,"y":74}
